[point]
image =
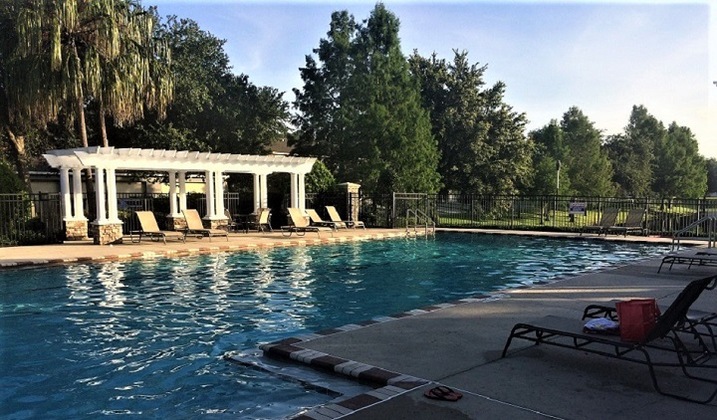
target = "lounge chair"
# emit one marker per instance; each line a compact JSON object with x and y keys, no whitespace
{"x":607,"y":220}
{"x":231,"y":225}
{"x":316,"y":220}
{"x":633,"y":223}
{"x":701,"y":323}
{"x":150,"y":229}
{"x":568,"y":333}
{"x":698,"y":258}
{"x":262,"y":223}
{"x":334,"y":216}
{"x":300,"y":225}
{"x":196,"y":227}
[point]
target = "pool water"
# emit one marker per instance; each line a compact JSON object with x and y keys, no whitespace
{"x":146,"y":337}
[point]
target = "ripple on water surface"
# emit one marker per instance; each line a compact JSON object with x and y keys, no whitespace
{"x":147,"y":337}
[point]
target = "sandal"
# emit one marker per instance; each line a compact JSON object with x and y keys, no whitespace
{"x":443,"y":393}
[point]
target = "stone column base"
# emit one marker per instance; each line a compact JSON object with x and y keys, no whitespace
{"x":76,"y":230}
{"x":176,"y":223}
{"x":107,"y":234}
{"x":217,"y":224}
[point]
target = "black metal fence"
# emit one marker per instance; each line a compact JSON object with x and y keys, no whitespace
{"x":36,"y":218}
{"x":30,"y":219}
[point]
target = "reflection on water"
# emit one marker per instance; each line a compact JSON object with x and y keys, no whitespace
{"x":147,"y":337}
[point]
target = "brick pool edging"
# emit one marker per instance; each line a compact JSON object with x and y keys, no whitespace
{"x":171,"y":253}
{"x":390,"y":384}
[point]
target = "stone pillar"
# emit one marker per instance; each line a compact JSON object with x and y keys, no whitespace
{"x":106,"y":230}
{"x":352,"y":199}
{"x":107,"y":233}
{"x":76,"y":227}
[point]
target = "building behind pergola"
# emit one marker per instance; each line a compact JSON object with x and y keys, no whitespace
{"x":105,"y":161}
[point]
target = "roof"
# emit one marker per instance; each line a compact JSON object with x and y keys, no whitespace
{"x":175,"y":160}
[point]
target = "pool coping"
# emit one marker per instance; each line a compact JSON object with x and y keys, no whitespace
{"x":191,"y":251}
{"x":389,"y":384}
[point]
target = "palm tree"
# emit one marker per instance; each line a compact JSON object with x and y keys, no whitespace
{"x":76,"y":51}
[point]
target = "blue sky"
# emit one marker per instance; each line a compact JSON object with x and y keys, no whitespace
{"x":603,"y":57}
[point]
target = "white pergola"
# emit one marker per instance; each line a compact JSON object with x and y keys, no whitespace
{"x":105,"y":161}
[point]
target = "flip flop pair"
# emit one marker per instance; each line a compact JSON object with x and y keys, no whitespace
{"x":443,"y":393}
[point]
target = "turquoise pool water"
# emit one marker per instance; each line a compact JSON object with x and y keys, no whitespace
{"x":147,"y":337}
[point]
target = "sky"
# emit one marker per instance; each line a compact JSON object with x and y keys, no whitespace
{"x":601,"y":56}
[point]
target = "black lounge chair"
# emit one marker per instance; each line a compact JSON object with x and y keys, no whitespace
{"x":663,"y":339}
{"x":701,"y":324}
{"x":699,"y":258}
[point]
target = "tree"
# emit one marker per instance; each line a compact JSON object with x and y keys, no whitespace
{"x":60,"y":58}
{"x":213,"y":108}
{"x":360,"y":110}
{"x":481,"y":139}
{"x":632,"y":154}
{"x":712,"y":175}
{"x":679,"y":169}
{"x":70,"y":52}
{"x":549,"y":150}
{"x":320,"y":179}
{"x":586,"y":162}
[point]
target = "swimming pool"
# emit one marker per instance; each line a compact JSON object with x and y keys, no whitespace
{"x":147,"y":336}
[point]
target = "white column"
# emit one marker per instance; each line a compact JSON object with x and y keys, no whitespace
{"x":112,"y":196}
{"x":182,"y":190}
{"x":65,"y":193}
{"x":79,"y":213}
{"x":219,"y":194}
{"x":100,"y":195}
{"x":173,"y":194}
{"x":302,"y":192}
{"x":257,"y":192}
{"x":294,"y":190}
{"x":264,"y":200}
{"x":209,"y":193}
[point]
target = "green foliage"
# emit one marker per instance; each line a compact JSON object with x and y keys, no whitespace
{"x":586,"y":162}
{"x":320,"y":179}
{"x":214,"y":109}
{"x":360,"y":109}
{"x":481,"y":139}
{"x":632,"y":152}
{"x":10,"y":182}
{"x":679,"y":169}
{"x":712,"y":175}
{"x":549,"y":150}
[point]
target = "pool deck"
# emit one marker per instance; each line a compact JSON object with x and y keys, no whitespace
{"x":459,"y":344}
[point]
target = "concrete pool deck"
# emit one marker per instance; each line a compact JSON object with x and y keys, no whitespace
{"x":459,"y":344}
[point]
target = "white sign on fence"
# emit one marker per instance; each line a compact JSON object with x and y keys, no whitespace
{"x":578,"y":208}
